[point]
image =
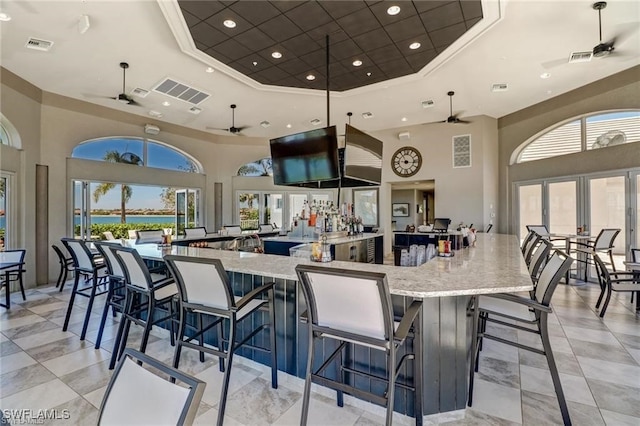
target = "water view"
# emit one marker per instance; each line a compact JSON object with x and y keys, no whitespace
{"x":102,"y":219}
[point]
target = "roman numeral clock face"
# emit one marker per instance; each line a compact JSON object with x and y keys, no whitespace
{"x":406,"y":161}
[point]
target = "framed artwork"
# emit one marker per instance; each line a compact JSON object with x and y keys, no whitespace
{"x":400,"y":209}
{"x":365,"y":205}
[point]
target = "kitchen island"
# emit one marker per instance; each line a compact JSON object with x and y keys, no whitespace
{"x":445,"y":285}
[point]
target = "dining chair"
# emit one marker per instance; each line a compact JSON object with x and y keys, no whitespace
{"x":610,"y":281}
{"x":602,"y":245}
{"x":198,"y":232}
{"x":149,"y":236}
{"x":84,"y":262}
{"x":115,"y":292}
{"x":530,"y":247}
{"x":527,"y":314}
{"x":348,"y":308}
{"x":12,"y":273}
{"x":525,"y":241}
{"x":144,"y":293}
{"x":145,"y":391}
{"x":66,"y":266}
{"x":205,"y":290}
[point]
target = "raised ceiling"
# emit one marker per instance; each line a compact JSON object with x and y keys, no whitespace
{"x":358,"y":31}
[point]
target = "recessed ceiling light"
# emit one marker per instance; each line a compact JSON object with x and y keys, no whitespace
{"x":229,"y":23}
{"x":393,"y":10}
{"x":276,"y":55}
{"x":288,"y":126}
{"x":357,"y":63}
{"x":166,"y":103}
{"x":545,"y":75}
{"x":311,"y":77}
{"x":403,"y":119}
{"x":4,"y":17}
{"x":414,"y":45}
{"x":209,"y":70}
{"x":255,"y":64}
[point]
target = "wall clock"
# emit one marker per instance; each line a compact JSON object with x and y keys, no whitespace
{"x":406,"y":161}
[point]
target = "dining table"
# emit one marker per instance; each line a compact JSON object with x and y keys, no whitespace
{"x":635,"y":267}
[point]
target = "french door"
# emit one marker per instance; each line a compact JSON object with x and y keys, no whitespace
{"x":594,"y":202}
{"x":187,"y":209}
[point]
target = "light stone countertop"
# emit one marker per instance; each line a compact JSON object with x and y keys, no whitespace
{"x":495,"y":265}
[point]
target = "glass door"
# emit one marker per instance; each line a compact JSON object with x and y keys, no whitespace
{"x":272,"y":209}
{"x":187,"y":209}
{"x":81,"y":210}
{"x":530,"y":207}
{"x":249,"y":210}
{"x":563,"y":207}
{"x":607,"y":209}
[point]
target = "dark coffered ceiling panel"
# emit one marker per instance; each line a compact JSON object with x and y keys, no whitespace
{"x":358,"y":31}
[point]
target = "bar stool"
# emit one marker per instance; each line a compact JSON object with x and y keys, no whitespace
{"x":504,"y":308}
{"x":205,"y":289}
{"x":354,"y":307}
{"x":144,"y":293}
{"x":115,"y":294}
{"x":137,"y":394}
{"x":84,"y":262}
{"x":14,"y":259}
{"x":66,"y":266}
{"x":198,"y":232}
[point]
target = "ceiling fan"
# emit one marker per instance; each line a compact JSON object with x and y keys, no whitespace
{"x":602,"y":49}
{"x":123,"y":97}
{"x":453,"y":119}
{"x":233,"y":129}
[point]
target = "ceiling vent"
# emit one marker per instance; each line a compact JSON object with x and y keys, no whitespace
{"x":428,"y":103}
{"x":181,"y":91}
{"x":265,"y":124}
{"x":140,"y":92}
{"x":39,"y":44}
{"x":367,"y":115}
{"x":499,"y":87}
{"x":315,"y":121}
{"x":156,"y":114}
{"x":580,"y":57}
{"x":195,"y":110}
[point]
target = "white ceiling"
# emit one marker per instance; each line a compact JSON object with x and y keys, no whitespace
{"x":510,"y":46}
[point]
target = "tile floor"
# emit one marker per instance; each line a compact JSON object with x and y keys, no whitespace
{"x":42,"y":367}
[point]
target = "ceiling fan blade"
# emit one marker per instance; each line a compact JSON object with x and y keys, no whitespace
{"x":133,"y":102}
{"x":459,"y":121}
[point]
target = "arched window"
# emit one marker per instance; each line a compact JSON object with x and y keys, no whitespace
{"x":8,"y":134}
{"x":138,"y":152}
{"x":587,"y":132}
{"x":262,"y":167}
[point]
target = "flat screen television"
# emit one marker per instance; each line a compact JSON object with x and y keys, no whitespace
{"x":307,"y":157}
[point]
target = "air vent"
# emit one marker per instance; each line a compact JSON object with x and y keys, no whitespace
{"x":580,"y":57}
{"x":181,"y":91}
{"x":39,"y":44}
{"x":265,"y":124}
{"x":195,"y":110}
{"x":367,"y":115}
{"x":140,"y":92}
{"x":461,"y":151}
{"x":315,"y":121}
{"x":156,"y":114}
{"x":499,"y":87}
{"x":428,"y":103}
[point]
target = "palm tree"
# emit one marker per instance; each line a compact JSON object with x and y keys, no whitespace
{"x":125,"y":190}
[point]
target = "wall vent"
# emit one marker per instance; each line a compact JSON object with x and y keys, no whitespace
{"x":39,"y":44}
{"x":499,"y":87}
{"x":140,"y":92}
{"x":461,"y":151}
{"x":580,"y":57}
{"x":181,"y":91}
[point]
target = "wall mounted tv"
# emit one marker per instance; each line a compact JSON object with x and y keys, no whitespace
{"x":306,"y":159}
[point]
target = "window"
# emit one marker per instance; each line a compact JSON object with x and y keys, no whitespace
{"x":8,"y":134}
{"x":589,"y":132}
{"x":262,"y":167}
{"x":4,"y":136}
{"x":136,"y":151}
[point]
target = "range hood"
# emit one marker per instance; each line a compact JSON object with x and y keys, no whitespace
{"x":360,"y":162}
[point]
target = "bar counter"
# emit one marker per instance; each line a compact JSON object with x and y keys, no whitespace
{"x":443,"y":332}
